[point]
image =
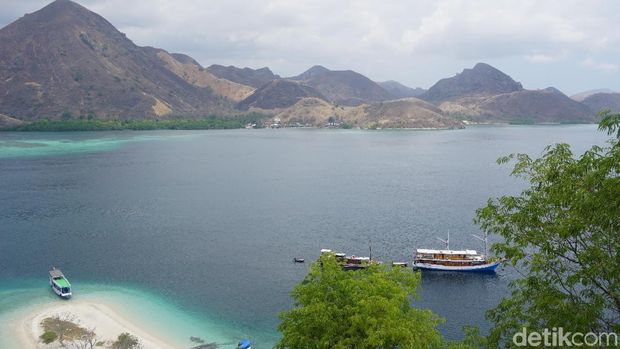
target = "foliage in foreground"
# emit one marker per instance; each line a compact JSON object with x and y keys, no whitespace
{"x":368,"y":308}
{"x":562,"y":234}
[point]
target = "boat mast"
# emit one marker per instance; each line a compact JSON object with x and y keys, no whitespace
{"x":447,"y":242}
{"x":485,"y":239}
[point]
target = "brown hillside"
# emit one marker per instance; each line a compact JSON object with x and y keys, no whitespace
{"x":600,"y":101}
{"x":404,"y":113}
{"x":192,"y":72}
{"x":344,"y":87}
{"x":481,"y":80}
{"x":66,"y":61}
{"x":278,"y":94}
{"x":540,"y":106}
{"x":398,"y":90}
{"x":246,"y":76}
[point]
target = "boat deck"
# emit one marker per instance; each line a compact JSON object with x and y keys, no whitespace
{"x":62,"y":282}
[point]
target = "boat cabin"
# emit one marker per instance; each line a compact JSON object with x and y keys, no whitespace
{"x":357,"y":260}
{"x":454,"y":258}
{"x":350,"y":262}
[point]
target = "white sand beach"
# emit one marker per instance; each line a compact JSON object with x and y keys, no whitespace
{"x":106,"y":321}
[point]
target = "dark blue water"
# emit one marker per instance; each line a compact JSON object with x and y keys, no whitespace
{"x":211,"y":220}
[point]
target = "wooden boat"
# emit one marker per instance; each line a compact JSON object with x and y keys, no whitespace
{"x":455,"y":260}
{"x":351,"y":262}
{"x":59,"y":283}
{"x":356,"y":263}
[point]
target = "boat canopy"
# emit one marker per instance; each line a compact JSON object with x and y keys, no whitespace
{"x":448,"y":252}
{"x":62,"y":282}
{"x":326,"y":250}
{"x":244,"y":344}
{"x":56,"y":273}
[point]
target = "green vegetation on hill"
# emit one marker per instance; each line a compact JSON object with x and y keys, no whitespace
{"x":208,"y":123}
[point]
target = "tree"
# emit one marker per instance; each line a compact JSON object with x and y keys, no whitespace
{"x":88,"y":340}
{"x":126,"y":341}
{"x":48,"y":337}
{"x":368,"y":308}
{"x":562,"y":234}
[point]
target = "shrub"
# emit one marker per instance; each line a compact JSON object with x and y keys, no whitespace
{"x":48,"y":337}
{"x":126,"y":341}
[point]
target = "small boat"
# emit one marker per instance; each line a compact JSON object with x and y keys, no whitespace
{"x":244,"y":344}
{"x":399,"y":264}
{"x":455,"y":260}
{"x":59,"y":283}
{"x":298,"y":260}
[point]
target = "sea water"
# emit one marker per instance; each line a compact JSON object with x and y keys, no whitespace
{"x":194,"y":232}
{"x":159,"y":316}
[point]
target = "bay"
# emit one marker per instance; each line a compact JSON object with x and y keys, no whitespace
{"x":209,"y":221}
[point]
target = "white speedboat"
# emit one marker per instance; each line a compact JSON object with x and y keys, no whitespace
{"x":59,"y":283}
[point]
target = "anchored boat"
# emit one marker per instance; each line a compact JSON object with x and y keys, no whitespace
{"x":351,"y":262}
{"x":59,"y":283}
{"x":455,"y":260}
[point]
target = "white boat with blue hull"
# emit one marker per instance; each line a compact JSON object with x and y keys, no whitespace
{"x":59,"y":283}
{"x":455,"y":260}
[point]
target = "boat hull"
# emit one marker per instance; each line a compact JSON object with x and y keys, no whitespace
{"x":482,"y":268}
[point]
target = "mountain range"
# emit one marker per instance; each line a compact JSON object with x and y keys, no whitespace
{"x":246,"y":76}
{"x":66,"y":62}
{"x":600,"y":99}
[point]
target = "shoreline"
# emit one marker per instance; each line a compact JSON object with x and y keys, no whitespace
{"x":111,"y":310}
{"x":108,"y":322}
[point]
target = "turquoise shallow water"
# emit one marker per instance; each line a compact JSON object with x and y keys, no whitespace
{"x":150,"y":311}
{"x":55,"y":144}
{"x":203,"y":225}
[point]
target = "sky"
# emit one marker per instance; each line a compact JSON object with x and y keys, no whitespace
{"x":571,"y":45}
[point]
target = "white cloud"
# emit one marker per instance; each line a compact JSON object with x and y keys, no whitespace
{"x":466,"y":29}
{"x":603,"y":66}
{"x":416,"y":42}
{"x":546,"y":57}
